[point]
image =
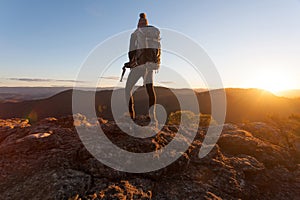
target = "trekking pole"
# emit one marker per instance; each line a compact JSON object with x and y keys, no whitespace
{"x":123,"y":72}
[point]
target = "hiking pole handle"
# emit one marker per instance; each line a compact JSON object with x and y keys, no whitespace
{"x":123,"y":72}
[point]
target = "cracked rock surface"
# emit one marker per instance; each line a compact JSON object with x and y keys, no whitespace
{"x":47,"y":160}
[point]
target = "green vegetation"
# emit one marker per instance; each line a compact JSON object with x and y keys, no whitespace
{"x":188,"y":118}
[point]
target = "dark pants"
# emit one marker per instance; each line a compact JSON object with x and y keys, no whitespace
{"x":134,"y":75}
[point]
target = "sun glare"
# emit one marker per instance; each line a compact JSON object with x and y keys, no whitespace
{"x":273,"y":80}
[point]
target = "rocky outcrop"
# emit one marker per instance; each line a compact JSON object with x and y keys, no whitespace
{"x":47,"y":160}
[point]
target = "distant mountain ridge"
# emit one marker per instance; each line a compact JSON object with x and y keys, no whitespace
{"x":290,"y":93}
{"x":242,"y":104}
{"x":18,"y":94}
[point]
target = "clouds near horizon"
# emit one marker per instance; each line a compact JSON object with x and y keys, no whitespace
{"x":45,"y":80}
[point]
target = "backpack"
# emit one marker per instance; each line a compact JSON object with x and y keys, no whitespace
{"x":145,"y":47}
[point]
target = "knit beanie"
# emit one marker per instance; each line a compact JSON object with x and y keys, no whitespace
{"x":142,"y":21}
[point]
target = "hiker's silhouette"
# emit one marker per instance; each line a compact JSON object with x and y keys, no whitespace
{"x":144,"y":58}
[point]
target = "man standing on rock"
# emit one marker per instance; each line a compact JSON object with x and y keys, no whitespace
{"x":144,"y":58}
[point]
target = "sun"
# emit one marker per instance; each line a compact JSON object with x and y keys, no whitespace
{"x":273,"y":80}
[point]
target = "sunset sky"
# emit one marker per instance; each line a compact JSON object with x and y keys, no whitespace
{"x":252,"y":43}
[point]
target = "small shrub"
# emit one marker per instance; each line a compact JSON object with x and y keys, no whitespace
{"x":189,"y":118}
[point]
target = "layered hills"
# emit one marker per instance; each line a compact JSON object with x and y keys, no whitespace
{"x":242,"y":104}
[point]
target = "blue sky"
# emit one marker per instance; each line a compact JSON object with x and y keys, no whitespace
{"x":252,"y":43}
